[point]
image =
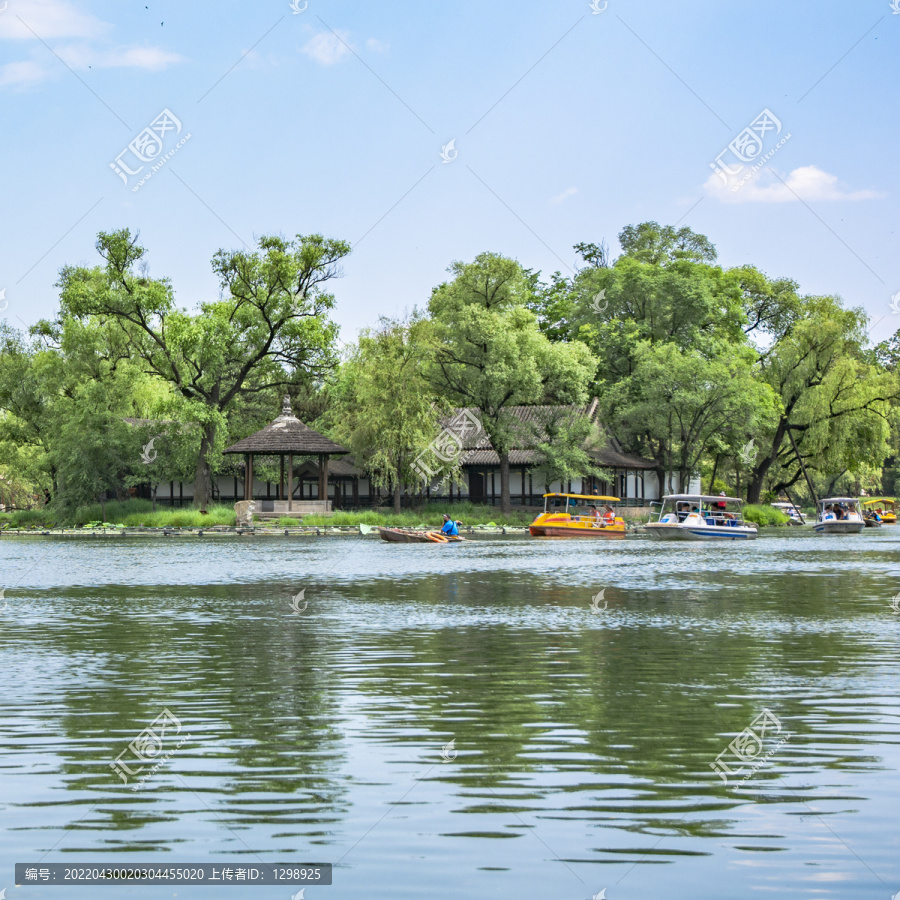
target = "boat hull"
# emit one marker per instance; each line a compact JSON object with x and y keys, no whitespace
{"x":664,"y":531}
{"x":872,"y":523}
{"x":838,"y":527}
{"x":395,"y":536}
{"x":610,"y":532}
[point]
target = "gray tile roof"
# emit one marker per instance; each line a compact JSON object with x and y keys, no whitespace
{"x":532,"y":419}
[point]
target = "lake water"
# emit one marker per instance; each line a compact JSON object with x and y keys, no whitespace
{"x":583,"y":738}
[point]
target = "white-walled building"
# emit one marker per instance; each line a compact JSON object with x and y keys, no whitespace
{"x":633,"y":479}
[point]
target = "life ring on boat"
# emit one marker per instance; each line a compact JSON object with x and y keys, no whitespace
{"x":436,"y":538}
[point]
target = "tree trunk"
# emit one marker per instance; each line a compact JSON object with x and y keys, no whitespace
{"x":397,"y":498}
{"x":712,"y":478}
{"x":660,"y":481}
{"x":103,"y":506}
{"x":757,"y":476}
{"x":203,"y":475}
{"x":505,"y":502}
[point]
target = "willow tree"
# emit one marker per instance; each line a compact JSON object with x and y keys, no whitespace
{"x":384,"y":409}
{"x":834,"y":401}
{"x":489,"y":353}
{"x":270,"y":329}
{"x":683,"y":403}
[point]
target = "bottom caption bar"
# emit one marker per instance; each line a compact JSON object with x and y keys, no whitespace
{"x":185,"y":873}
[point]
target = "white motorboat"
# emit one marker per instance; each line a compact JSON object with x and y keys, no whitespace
{"x":839,"y":515}
{"x":700,"y":517}
{"x":791,"y":511}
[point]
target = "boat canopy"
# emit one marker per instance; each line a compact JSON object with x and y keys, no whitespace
{"x":875,"y":500}
{"x":839,"y":500}
{"x":703,"y":497}
{"x":584,"y":497}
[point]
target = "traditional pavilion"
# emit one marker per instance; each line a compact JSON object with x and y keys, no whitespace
{"x":288,"y":437}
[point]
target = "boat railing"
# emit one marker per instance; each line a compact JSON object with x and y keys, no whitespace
{"x":669,"y":513}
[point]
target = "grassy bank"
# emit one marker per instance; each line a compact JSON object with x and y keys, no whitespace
{"x":431,"y":515}
{"x":130,"y":513}
{"x":135,"y":513}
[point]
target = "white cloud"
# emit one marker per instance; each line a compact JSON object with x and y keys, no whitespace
{"x":326,"y":47}
{"x":31,"y":20}
{"x":22,"y":73}
{"x":804,"y":183}
{"x":24,"y":19}
{"x":151,"y":59}
{"x":377,"y":46}
{"x":568,"y":192}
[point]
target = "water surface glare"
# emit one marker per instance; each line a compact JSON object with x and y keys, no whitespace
{"x":583,"y":739}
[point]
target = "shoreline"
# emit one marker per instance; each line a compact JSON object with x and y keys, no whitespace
{"x":232,"y":530}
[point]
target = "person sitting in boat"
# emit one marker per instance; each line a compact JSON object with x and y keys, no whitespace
{"x":609,"y":516}
{"x":450,"y":527}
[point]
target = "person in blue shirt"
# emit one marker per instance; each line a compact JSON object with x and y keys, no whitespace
{"x":450,"y":527}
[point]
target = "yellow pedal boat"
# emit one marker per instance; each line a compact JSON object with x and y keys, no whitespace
{"x":565,"y":516}
{"x":885,"y":507}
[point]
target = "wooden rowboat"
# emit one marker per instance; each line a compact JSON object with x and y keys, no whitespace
{"x":396,"y":536}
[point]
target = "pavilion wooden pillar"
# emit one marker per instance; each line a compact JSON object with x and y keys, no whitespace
{"x":281,"y":479}
{"x":248,"y":476}
{"x":323,"y":477}
{"x":356,"y":492}
{"x":290,"y":486}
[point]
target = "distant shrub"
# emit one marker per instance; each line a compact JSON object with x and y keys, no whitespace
{"x":764,"y":516}
{"x":431,"y":515}
{"x":23,"y":518}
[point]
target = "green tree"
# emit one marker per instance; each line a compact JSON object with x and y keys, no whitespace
{"x":270,"y":330}
{"x":160,"y":450}
{"x":385,"y":410}
{"x":488,"y":352}
{"x":658,"y":244}
{"x":680,"y":404}
{"x":563,"y":438}
{"x":835,"y":403}
{"x":25,"y":399}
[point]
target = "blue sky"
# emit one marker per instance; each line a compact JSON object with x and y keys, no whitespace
{"x":568,"y":123}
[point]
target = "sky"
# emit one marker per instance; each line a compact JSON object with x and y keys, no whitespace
{"x":424,"y":133}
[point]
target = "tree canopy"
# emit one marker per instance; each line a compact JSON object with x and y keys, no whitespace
{"x":728,"y":373}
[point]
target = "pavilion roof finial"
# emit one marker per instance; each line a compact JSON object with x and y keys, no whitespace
{"x":286,"y":435}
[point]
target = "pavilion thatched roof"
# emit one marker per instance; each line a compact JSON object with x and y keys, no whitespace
{"x":287,"y":434}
